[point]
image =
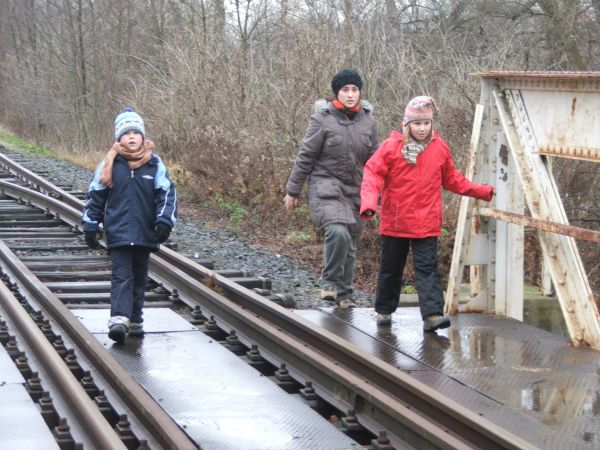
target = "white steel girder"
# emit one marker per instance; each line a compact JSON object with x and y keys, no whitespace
{"x":544,"y":202}
{"x":514,"y":135}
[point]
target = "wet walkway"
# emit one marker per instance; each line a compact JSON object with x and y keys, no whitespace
{"x":220,"y":401}
{"x":528,"y":380}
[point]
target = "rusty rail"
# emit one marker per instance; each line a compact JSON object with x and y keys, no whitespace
{"x":164,"y":429}
{"x":100,"y":432}
{"x":344,"y":373}
{"x":543,"y":225}
{"x":584,"y":154}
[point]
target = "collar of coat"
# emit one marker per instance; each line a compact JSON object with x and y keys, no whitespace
{"x":323,"y":106}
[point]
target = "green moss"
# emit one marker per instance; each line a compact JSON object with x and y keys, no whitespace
{"x":408,"y":289}
{"x":299,"y":236}
{"x":13,"y":142}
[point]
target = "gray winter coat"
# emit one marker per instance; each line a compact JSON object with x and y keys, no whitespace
{"x":332,"y":155}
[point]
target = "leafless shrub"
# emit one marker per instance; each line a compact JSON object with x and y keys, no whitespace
{"x":226,"y":88}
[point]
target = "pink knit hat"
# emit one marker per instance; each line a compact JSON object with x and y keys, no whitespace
{"x":419,"y":108}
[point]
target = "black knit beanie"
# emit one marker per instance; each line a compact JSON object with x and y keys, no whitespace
{"x":344,"y":77}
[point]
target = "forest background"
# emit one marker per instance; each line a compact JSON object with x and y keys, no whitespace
{"x":226,"y":89}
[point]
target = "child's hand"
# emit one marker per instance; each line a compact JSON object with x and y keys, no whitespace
{"x":368,"y":213}
{"x":162,"y":232}
{"x":91,"y":240}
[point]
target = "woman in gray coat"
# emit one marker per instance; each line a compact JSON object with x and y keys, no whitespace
{"x":340,"y":138}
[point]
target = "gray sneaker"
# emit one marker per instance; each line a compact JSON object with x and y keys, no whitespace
{"x":329,"y":294}
{"x":345,"y":303}
{"x":117,"y":332}
{"x":136,"y":329}
{"x":384,"y":319}
{"x":434,"y":322}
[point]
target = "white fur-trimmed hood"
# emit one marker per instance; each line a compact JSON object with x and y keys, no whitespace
{"x":322,"y":106}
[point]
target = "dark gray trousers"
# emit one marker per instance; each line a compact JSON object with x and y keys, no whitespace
{"x":339,"y":254}
{"x":128,"y":281}
{"x":394,"y":251}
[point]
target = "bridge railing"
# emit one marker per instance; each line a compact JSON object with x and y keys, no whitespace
{"x":523,"y":121}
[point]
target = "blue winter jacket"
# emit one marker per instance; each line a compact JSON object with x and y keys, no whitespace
{"x":130,"y":210}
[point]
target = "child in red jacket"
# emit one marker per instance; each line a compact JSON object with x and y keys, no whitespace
{"x":410,"y":169}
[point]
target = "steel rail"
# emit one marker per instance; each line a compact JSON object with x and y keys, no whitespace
{"x":149,"y":413}
{"x":44,"y":201}
{"x":98,"y":429}
{"x":378,"y":392}
{"x":381,"y":395}
{"x":38,"y":182}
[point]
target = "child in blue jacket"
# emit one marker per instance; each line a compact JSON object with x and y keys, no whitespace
{"x":133,"y":196}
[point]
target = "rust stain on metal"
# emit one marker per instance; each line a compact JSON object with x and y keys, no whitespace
{"x":587,"y":154}
{"x":544,"y":225}
{"x":503,"y":153}
{"x":588,"y":76}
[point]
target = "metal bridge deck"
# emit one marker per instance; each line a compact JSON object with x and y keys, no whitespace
{"x":220,"y":401}
{"x":21,"y":425}
{"x":530,"y":381}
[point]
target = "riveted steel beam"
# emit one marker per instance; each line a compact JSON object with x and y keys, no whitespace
{"x":567,"y":271}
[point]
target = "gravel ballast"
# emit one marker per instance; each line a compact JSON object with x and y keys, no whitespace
{"x":194,"y":239}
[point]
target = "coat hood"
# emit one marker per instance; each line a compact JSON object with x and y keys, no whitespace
{"x":322,"y":106}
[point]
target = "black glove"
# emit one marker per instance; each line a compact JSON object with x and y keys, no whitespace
{"x":162,"y":232}
{"x":91,"y":239}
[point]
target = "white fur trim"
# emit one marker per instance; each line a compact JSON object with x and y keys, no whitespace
{"x":322,"y":106}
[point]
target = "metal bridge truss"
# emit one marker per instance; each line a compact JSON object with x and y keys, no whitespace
{"x":524,"y":121}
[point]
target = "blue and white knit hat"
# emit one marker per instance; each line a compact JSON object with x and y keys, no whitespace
{"x":128,"y":120}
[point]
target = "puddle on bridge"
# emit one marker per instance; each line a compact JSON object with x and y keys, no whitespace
{"x":528,"y":367}
{"x":523,"y":370}
{"x":551,"y":379}
{"x":545,"y":313}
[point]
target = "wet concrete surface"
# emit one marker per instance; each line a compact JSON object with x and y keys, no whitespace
{"x":530,"y":381}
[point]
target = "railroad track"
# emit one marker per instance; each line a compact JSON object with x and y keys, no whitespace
{"x":101,"y":406}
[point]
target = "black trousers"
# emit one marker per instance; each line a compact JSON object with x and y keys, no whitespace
{"x":394,"y":251}
{"x":128,"y":281}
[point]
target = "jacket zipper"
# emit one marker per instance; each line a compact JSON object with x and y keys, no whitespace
{"x":131,"y":243}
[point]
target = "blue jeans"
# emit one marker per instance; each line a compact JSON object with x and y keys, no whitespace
{"x":340,"y":255}
{"x":128,"y":282}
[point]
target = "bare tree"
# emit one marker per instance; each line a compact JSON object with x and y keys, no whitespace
{"x":229,"y":85}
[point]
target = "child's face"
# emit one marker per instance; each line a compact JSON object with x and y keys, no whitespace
{"x":420,"y":129}
{"x":133,"y":140}
{"x":349,"y":95}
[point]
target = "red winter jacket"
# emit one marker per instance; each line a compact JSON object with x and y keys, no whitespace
{"x":411,"y":204}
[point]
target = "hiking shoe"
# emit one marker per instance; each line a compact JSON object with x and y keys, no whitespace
{"x":384,"y":319}
{"x":434,"y":322}
{"x":329,"y":294}
{"x":136,"y":330}
{"x":345,"y":303}
{"x":117,"y":332}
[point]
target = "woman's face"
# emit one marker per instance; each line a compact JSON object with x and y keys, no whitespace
{"x":349,"y":95}
{"x":420,"y":129}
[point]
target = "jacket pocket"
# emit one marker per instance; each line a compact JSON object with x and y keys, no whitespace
{"x":328,"y":189}
{"x":365,"y":139}
{"x":333,"y":140}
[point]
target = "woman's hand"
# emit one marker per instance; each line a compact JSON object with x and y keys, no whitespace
{"x":290,"y":202}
